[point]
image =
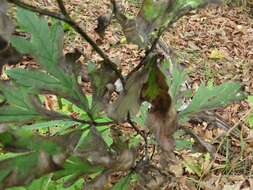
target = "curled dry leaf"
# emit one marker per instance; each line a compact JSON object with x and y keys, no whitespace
{"x":100,"y":80}
{"x":100,"y":182}
{"x":37,"y":156}
{"x":153,"y":15}
{"x":103,"y":22}
{"x":129,"y":100}
{"x":125,"y":160}
{"x":8,"y":54}
{"x":6,"y":24}
{"x":94,"y":149}
{"x":162,"y":117}
{"x":150,"y":178}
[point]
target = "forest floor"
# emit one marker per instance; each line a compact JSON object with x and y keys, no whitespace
{"x":215,"y":45}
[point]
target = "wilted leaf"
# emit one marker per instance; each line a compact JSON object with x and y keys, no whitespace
{"x":8,"y":55}
{"x":103,"y":23}
{"x":162,"y":117}
{"x":125,"y":160}
{"x":153,"y":16}
{"x":163,"y":125}
{"x":42,"y":155}
{"x":93,"y":147}
{"x":129,"y":100}
{"x":100,"y":182}
{"x":6,"y":24}
{"x":100,"y":80}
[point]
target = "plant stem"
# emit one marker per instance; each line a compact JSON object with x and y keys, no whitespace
{"x":142,"y":134}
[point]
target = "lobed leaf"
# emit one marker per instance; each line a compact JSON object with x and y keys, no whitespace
{"x":212,"y":97}
{"x":46,"y":45}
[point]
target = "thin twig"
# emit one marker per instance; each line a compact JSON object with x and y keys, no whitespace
{"x":63,"y":9}
{"x":76,"y":27}
{"x":148,"y":52}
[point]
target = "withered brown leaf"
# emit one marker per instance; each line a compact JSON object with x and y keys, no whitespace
{"x":129,"y":100}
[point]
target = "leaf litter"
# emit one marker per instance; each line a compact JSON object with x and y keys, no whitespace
{"x":216,"y":44}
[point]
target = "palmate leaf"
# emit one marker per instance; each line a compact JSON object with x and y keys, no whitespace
{"x":46,"y":45}
{"x":19,"y":107}
{"x":77,"y":166}
{"x":17,"y":114}
{"x":35,"y":79}
{"x":23,"y":105}
{"x":38,"y":81}
{"x":211,"y":97}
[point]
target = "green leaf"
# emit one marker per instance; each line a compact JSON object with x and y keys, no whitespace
{"x":17,"y":114}
{"x":19,"y":107}
{"x":178,"y":76}
{"x":151,"y":11}
{"x":17,"y":96}
{"x":2,"y":98}
{"x":75,"y":165}
{"x":251,"y":120}
{"x":49,"y":124}
{"x":122,"y":184}
{"x":46,"y":45}
{"x":35,"y":79}
{"x":23,"y":46}
{"x":192,"y":167}
{"x":213,"y":97}
{"x":140,"y":117}
{"x":183,"y":144}
{"x":250,"y":99}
